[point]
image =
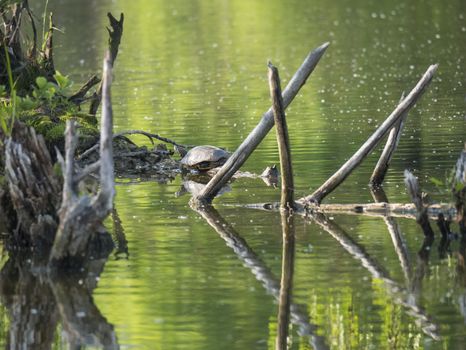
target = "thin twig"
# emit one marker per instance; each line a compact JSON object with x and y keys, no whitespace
{"x":393,"y":139}
{"x":151,"y":136}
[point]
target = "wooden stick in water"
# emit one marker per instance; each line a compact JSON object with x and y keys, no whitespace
{"x":393,"y":139}
{"x":336,"y":179}
{"x":251,"y":142}
{"x":283,"y":141}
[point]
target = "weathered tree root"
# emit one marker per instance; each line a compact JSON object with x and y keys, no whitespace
{"x":33,"y":186}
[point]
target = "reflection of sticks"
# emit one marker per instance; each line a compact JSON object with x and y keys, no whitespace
{"x":399,"y":294}
{"x":286,"y":283}
{"x":260,"y":270}
{"x":83,"y":323}
{"x":119,"y":235}
{"x":398,"y":240}
{"x":422,"y":264}
{"x":341,"y":174}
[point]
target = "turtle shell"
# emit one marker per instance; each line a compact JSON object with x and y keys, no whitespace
{"x":205,"y":157}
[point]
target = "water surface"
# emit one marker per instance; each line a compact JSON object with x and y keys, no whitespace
{"x":196,"y":72}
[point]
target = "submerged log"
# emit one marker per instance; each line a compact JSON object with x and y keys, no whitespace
{"x":381,"y":209}
{"x":345,"y":170}
{"x":243,"y":152}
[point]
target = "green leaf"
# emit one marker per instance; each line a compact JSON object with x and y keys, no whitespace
{"x":41,"y":82}
{"x":62,"y":80}
{"x":26,"y":104}
{"x":436,"y":181}
{"x":3,"y":124}
{"x":459,"y":186}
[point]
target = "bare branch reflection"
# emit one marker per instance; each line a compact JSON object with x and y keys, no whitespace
{"x":400,"y":295}
{"x":298,"y":314}
{"x":286,"y":285}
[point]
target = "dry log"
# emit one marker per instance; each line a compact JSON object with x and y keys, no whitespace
{"x":382,"y":209}
{"x":393,"y":139}
{"x":336,"y":179}
{"x":115,"y":32}
{"x":81,"y":216}
{"x":261,"y":271}
{"x":283,"y":141}
{"x":243,"y":152}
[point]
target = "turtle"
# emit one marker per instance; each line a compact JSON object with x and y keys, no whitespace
{"x":203,"y":158}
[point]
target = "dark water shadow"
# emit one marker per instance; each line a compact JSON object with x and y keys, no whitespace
{"x":38,"y":301}
{"x":298,"y":314}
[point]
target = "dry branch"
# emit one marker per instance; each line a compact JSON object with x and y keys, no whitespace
{"x":336,"y":179}
{"x":81,"y":216}
{"x":78,"y":97}
{"x":243,"y":152}
{"x":393,"y":139}
{"x":115,"y":33}
{"x":151,"y":136}
{"x":283,"y":141}
{"x":412,"y":186}
{"x":48,"y":52}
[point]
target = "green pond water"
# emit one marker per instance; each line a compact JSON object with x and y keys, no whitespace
{"x":195,"y":71}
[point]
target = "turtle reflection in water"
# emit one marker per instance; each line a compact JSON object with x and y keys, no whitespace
{"x":204,"y":158}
